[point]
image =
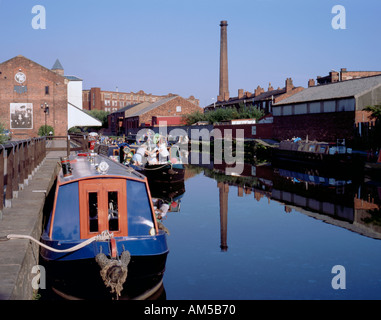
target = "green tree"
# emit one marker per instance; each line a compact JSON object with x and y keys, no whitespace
{"x":45,"y":131}
{"x":3,"y":137}
{"x":224,"y":114}
{"x":101,"y":115}
{"x":375,"y":111}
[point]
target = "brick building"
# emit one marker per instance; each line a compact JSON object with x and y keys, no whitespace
{"x":260,"y":98}
{"x":344,"y":74}
{"x":27,"y":89}
{"x":32,"y":96}
{"x":169,"y":110}
{"x":110,"y":101}
{"x":326,"y":112}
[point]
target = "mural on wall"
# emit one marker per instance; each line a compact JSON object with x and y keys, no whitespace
{"x":21,"y":115}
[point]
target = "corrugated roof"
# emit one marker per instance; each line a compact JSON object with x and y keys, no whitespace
{"x":344,"y":89}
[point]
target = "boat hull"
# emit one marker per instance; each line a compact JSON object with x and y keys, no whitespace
{"x":160,"y":173}
{"x":335,"y":162}
{"x":81,"y":279}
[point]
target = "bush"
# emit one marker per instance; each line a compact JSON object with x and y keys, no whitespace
{"x":222,"y":114}
{"x":3,"y":136}
{"x":45,"y":130}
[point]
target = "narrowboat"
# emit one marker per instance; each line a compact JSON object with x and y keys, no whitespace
{"x":102,"y":239}
{"x":316,"y":154}
{"x":160,"y":163}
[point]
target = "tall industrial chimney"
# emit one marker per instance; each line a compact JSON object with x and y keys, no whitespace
{"x":224,"y":81}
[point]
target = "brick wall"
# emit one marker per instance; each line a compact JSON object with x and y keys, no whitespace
{"x":320,"y":126}
{"x":30,"y":95}
{"x":169,"y":108}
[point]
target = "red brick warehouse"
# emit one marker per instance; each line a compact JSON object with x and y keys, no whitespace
{"x":25,"y":86}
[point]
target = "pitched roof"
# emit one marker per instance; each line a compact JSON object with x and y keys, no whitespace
{"x":132,"y":108}
{"x":57,"y":65}
{"x":150,"y":107}
{"x":73,"y":78}
{"x":336,"y":90}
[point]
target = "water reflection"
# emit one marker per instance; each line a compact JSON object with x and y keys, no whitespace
{"x":348,"y":201}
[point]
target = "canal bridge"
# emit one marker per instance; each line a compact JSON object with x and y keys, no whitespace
{"x":27,"y":172}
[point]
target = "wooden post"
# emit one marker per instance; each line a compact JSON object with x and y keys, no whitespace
{"x":10,"y":177}
{"x":68,"y":145}
{"x":2,"y":155}
{"x":16,"y":169}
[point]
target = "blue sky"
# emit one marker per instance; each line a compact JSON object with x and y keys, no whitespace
{"x":163,"y":46}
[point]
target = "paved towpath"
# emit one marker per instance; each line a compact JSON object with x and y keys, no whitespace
{"x":18,"y":256}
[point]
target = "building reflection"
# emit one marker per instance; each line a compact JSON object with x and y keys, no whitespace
{"x":347,"y":202}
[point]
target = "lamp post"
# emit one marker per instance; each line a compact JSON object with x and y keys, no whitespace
{"x":45,"y":107}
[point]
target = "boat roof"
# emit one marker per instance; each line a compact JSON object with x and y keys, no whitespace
{"x":83,"y":168}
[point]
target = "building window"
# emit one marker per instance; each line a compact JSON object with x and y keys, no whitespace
{"x":178,"y":109}
{"x":46,"y":89}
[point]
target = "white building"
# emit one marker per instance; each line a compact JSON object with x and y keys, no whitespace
{"x":76,"y":116}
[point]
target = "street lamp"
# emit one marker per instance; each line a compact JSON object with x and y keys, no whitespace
{"x":45,"y":107}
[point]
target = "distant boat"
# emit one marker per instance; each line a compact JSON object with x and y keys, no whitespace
{"x":105,"y":210}
{"x":315,"y":153}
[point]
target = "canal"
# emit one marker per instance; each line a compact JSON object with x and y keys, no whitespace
{"x":274,"y":233}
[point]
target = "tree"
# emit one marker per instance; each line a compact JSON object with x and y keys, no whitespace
{"x":45,"y":131}
{"x":101,"y":115}
{"x":224,"y":114}
{"x":3,"y":137}
{"x":375,"y":111}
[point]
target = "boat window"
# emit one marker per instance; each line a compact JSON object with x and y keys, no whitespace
{"x":140,"y":220}
{"x":93,"y":211}
{"x":113,"y":215}
{"x":103,"y":206}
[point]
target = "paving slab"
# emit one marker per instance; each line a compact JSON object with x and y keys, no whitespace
{"x":18,"y":256}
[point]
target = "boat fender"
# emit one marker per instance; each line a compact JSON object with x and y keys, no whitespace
{"x":113,"y":271}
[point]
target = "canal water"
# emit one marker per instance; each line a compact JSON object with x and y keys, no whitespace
{"x":274,"y":233}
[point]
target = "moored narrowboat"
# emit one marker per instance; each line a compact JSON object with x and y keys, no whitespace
{"x":316,"y":154}
{"x":102,"y":239}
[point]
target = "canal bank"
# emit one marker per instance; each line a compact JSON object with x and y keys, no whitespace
{"x":24,"y":217}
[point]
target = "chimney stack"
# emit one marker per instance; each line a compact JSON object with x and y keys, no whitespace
{"x":289,"y":85}
{"x":224,"y":82}
{"x":311,"y":83}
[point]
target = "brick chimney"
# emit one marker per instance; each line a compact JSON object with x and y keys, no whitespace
{"x":240,"y":93}
{"x":334,"y":76}
{"x":258,"y":91}
{"x":224,"y":82}
{"x":289,"y":85}
{"x":270,"y":88}
{"x":248,"y":94}
{"x":311,"y":83}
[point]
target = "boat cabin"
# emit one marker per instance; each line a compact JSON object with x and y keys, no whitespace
{"x":100,"y":195}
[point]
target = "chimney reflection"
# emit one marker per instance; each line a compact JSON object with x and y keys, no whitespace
{"x":224,"y":194}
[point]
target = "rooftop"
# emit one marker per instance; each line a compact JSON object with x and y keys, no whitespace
{"x":344,"y":89}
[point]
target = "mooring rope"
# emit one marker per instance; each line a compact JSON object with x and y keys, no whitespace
{"x":105,"y":235}
{"x":157,"y":168}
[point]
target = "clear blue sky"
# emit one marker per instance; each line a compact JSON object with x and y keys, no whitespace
{"x":163,"y":46}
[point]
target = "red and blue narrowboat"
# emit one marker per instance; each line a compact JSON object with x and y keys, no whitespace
{"x":102,"y":239}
